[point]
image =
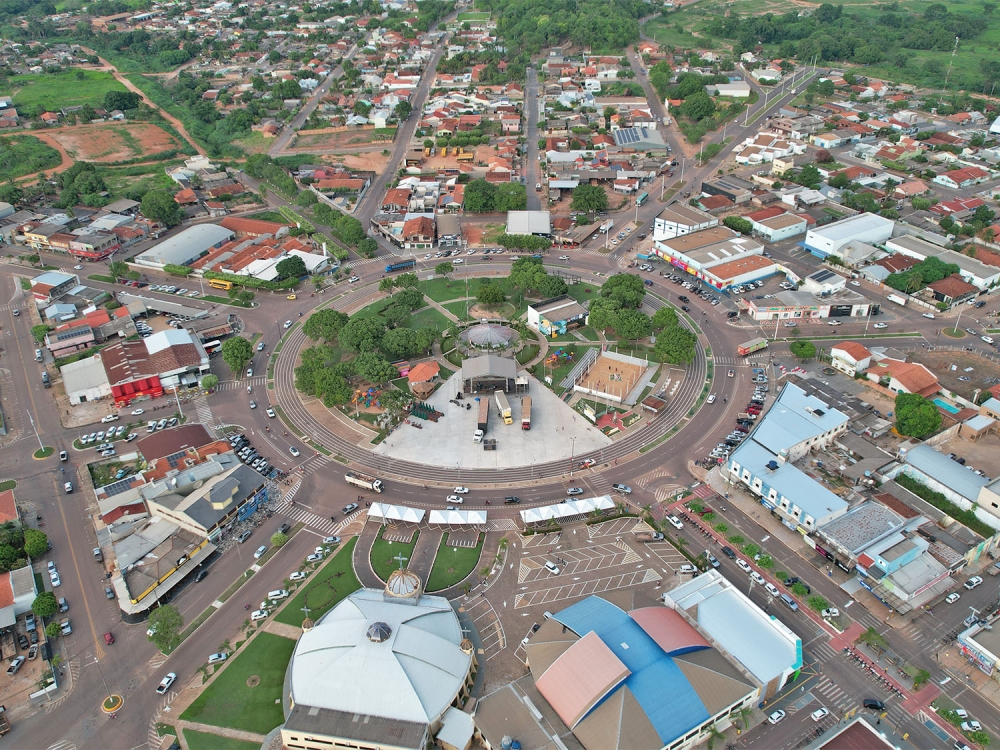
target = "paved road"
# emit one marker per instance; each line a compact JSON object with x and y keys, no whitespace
{"x":532,"y":176}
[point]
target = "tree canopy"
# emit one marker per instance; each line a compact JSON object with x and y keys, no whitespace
{"x":166,"y":623}
{"x":236,"y":352}
{"x":324,"y":324}
{"x":292,"y":267}
{"x":916,"y":416}
{"x":482,"y":197}
{"x":159,"y":205}
{"x":625,"y":288}
{"x":589,"y":198}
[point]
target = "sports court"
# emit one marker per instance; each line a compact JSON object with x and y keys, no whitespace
{"x":612,"y":377}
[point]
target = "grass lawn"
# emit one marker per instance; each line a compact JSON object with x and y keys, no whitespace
{"x":584,"y":292}
{"x":228,"y":702}
{"x":527,"y":353}
{"x":53,"y":91}
{"x":25,"y":154}
{"x":429,"y":317}
{"x":269,"y":216}
{"x":384,"y":552}
{"x":473,"y":16}
{"x":325,"y":586}
{"x":206,"y":741}
{"x":119,"y":181}
{"x":457,"y":309}
{"x":443,"y":290}
{"x":255,"y":143}
{"x":453,"y":564}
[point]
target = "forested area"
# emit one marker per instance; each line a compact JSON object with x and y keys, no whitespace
{"x":869,"y":35}
{"x":529,"y":26}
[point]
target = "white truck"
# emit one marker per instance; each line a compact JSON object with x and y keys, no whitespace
{"x":364,"y":481}
{"x":898,"y":299}
{"x":606,"y":226}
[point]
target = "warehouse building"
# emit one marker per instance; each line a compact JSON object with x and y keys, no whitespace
{"x":185,"y":247}
{"x":833,"y":238}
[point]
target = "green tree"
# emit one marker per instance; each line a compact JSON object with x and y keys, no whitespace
{"x":407,"y":281}
{"x":324,"y":324}
{"x":36,"y":543}
{"x":480,"y":197}
{"x":604,"y":313}
{"x":278,"y":539}
{"x":698,"y":106}
{"x":589,"y":198}
{"x":159,"y":205}
{"x":665,"y":317}
{"x":367,"y":247}
{"x":374,"y":368}
{"x":166,"y":623}
{"x":292,"y":267}
{"x":45,"y":604}
{"x":625,"y":288}
{"x":236,"y":352}
{"x":400,"y":343}
{"x":676,"y":346}
{"x":490,"y":293}
{"x":209,"y":382}
{"x":39,"y":332}
{"x":738,"y":224}
{"x":799,"y":589}
{"x":660,"y":75}
{"x":803,"y":349}
{"x":916,"y":416}
{"x":387,"y":284}
{"x":53,"y":630}
{"x":362,"y":334}
{"x":11,"y":193}
{"x":443,"y":269}
{"x":632,"y":325}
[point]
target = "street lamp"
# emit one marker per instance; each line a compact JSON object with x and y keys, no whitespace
{"x":41,"y":447}
{"x":107,"y":690}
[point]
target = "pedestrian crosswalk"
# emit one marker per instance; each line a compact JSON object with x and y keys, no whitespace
{"x":314,"y":521}
{"x":203,"y":410}
{"x":834,"y":697}
{"x":313,"y":464}
{"x":822,"y":652}
{"x":733,"y":360}
{"x":229,"y":385}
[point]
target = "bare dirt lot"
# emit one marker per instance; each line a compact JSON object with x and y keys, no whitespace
{"x":334,"y":141}
{"x":984,"y":372}
{"x":368,"y":161}
{"x":111,"y":142}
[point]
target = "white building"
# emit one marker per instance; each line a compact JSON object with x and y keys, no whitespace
{"x":850,"y":357}
{"x":185,"y":247}
{"x":679,"y":219}
{"x":832,"y":238}
{"x":86,"y":380}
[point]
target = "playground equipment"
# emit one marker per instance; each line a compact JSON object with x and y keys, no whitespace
{"x":558,"y":356}
{"x":368,"y":397}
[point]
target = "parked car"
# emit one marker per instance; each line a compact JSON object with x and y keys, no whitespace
{"x":260,"y":552}
{"x":216,"y":658}
{"x":165,"y":683}
{"x":973,"y":582}
{"x":775,"y":717}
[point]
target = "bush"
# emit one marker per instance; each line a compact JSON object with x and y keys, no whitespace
{"x":803,"y":349}
{"x":818,"y":603}
{"x":939,"y":501}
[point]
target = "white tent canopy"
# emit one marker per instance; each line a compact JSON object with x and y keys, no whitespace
{"x":566,"y":509}
{"x":383,"y":512}
{"x":459,"y":517}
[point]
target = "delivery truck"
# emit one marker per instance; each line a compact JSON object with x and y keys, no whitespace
{"x":403,"y":264}
{"x":526,"y":413}
{"x":751,"y":346}
{"x":364,"y":481}
{"x":503,"y":406}
{"x":898,"y":299}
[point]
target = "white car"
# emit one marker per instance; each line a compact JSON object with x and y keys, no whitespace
{"x":249,"y":372}
{"x":552,"y":568}
{"x":973,"y":582}
{"x":331,"y":540}
{"x":776,"y":717}
{"x":216,"y":658}
{"x":881,"y":325}
{"x":293,"y":450}
{"x":455,"y":499}
{"x":573,"y":491}
{"x":987,"y":339}
{"x":971,"y":726}
{"x":757,"y":578}
{"x":298,"y":575}
{"x":354,"y":280}
{"x":833,"y":322}
{"x":743,"y":565}
{"x":710,"y":399}
{"x":287,"y":324}
{"x":314,"y":557}
{"x":675,"y":522}
{"x":929,"y":315}
{"x":563,"y":257}
{"x":109,"y":418}
{"x":953,"y":597}
{"x":137,"y":412}
{"x":855,"y":283}
{"x":831,"y":612}
{"x":56,"y":581}
{"x":771,"y":589}
{"x":258,"y":614}
{"x":461,"y":490}
{"x":260,"y":552}
{"x":260,"y":346}
{"x":271,"y":414}
{"x":165,"y":683}
{"x":819,"y":714}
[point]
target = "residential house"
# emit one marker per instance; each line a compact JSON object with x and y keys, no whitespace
{"x":850,"y":357}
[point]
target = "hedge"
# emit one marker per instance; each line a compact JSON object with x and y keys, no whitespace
{"x":939,"y":501}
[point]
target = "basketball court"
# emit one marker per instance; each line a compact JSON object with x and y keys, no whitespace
{"x":612,"y":377}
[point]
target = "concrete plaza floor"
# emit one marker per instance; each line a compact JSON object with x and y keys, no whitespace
{"x":448,"y":442}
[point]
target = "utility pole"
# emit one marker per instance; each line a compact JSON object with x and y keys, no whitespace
{"x":951,"y":62}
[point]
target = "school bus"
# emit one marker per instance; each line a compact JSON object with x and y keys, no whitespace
{"x":220,"y":284}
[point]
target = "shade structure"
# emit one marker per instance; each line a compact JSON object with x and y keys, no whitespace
{"x":489,"y":335}
{"x":383,"y":512}
{"x":566,"y":509}
{"x":458,"y":517}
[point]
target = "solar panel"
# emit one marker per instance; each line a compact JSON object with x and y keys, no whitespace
{"x":117,"y":488}
{"x":72,"y":333}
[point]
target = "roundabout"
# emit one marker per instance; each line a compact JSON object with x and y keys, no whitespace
{"x":307,"y":416}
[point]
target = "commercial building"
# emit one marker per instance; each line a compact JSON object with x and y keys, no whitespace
{"x":537,"y":223}
{"x":957,"y":483}
{"x":491,"y":373}
{"x":382,"y":669}
{"x":850,"y":357}
{"x":795,"y":306}
{"x":552,"y":317}
{"x":678,"y":219}
{"x":85,"y":380}
{"x":699,"y":252}
{"x":185,"y":247}
{"x":52,"y":285}
{"x":977,"y":273}
{"x":623,"y":672}
{"x":781,"y":227}
{"x":144,"y":368}
{"x":639,"y":140}
{"x":832,"y":238}
{"x":735,"y":189}
{"x":794,"y":425}
{"x":900,"y":376}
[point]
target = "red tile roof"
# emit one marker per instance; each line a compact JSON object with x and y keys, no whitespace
{"x":8,"y":507}
{"x":250,"y":227}
{"x":952,"y":286}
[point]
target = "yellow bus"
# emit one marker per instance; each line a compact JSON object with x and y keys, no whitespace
{"x":220,"y":284}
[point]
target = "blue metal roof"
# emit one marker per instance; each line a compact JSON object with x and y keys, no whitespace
{"x":658,"y":684}
{"x":950,"y":473}
{"x":795,"y":417}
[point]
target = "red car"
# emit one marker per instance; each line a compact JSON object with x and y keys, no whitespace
{"x":108,"y":638}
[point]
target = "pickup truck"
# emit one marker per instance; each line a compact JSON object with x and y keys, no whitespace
{"x":649,"y":536}
{"x":994,"y":569}
{"x":15,"y":665}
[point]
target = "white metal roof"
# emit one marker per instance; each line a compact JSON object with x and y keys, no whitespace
{"x":413,"y":675}
{"x":567,"y":508}
{"x":396,"y":513}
